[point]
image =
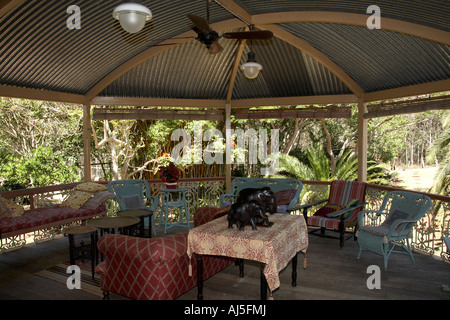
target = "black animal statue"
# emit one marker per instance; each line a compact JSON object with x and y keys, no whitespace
{"x":244,"y":213}
{"x":265,"y":197}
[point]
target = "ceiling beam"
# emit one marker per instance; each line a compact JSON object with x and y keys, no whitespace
{"x":357,"y":19}
{"x":44,"y":95}
{"x":234,"y":70}
{"x":220,"y":104}
{"x":316,"y":54}
{"x":407,"y":106}
{"x":236,"y":10}
{"x":158,"y":102}
{"x":306,"y":113}
{"x":294,"y":101}
{"x":408,"y":91}
{"x":155,"y":114}
{"x":8,"y":5}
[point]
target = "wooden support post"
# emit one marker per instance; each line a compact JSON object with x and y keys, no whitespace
{"x":362,"y":141}
{"x":228,"y":147}
{"x":87,"y":142}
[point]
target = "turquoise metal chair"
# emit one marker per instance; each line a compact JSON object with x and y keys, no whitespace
{"x":287,"y":191}
{"x":134,"y":194}
{"x":402,"y":210}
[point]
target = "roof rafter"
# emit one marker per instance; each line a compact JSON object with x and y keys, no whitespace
{"x":319,"y":56}
{"x":409,"y":28}
{"x":236,"y":10}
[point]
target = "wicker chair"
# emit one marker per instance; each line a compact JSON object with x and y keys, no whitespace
{"x":402,"y":210}
{"x":134,"y":194}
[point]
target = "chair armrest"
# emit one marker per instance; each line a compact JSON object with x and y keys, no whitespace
{"x":152,"y":202}
{"x":339,"y":213}
{"x":308,"y":205}
{"x":399,"y":226}
{"x":226,"y":197}
{"x":364,"y":212}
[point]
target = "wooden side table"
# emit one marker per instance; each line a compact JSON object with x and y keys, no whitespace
{"x":174,"y":198}
{"x":141,"y":214}
{"x":84,"y":250}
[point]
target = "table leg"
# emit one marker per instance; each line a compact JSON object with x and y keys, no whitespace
{"x":199,"y":277}
{"x":294,"y":271}
{"x":72,"y":249}
{"x":263,"y":283}
{"x":93,"y":253}
{"x":241,"y":268}
{"x":150,"y":225}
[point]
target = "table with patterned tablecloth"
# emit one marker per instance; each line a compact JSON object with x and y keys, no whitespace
{"x":273,"y":246}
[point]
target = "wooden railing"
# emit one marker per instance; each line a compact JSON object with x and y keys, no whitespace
{"x":427,"y":236}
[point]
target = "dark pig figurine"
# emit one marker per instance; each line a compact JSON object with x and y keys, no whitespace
{"x":244,"y":213}
{"x":265,"y":197}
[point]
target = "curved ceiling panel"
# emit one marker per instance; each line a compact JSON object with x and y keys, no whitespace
{"x":38,"y":51}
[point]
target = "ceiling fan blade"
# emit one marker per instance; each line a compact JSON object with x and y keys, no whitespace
{"x":252,"y":35}
{"x":199,"y":22}
{"x":214,"y":48}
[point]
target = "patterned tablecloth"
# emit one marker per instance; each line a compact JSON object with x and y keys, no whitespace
{"x":275,"y":246}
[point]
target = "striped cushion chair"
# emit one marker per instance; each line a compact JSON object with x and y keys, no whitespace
{"x":345,"y":201}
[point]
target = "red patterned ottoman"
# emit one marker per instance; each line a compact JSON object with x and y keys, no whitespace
{"x":152,"y":269}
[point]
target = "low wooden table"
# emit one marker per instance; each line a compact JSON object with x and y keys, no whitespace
{"x":110,"y":225}
{"x":76,"y":252}
{"x":273,"y":246}
{"x":141,"y":214}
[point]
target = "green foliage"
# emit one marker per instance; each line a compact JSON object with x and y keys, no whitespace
{"x":441,"y":147}
{"x":317,"y":166}
{"x":40,"y":168}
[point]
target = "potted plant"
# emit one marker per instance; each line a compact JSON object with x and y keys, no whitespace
{"x":168,"y":171}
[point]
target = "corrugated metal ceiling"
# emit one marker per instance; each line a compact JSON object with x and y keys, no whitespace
{"x":38,"y":51}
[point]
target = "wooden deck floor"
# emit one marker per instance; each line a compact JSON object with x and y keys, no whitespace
{"x":332,"y":273}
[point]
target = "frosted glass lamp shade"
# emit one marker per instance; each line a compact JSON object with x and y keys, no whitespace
{"x":251,"y":69}
{"x":132,"y":16}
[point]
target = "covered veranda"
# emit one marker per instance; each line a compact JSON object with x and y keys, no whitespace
{"x":322,"y":53}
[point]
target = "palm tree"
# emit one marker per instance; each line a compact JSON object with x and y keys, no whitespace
{"x":441,"y":183}
{"x":318,"y":167}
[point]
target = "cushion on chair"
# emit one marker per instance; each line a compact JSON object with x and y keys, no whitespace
{"x":383,"y":229}
{"x":328,"y":208}
{"x":132,"y":202}
{"x":205,"y":214}
{"x":352,"y":203}
{"x":397,"y":214}
{"x":285,"y":196}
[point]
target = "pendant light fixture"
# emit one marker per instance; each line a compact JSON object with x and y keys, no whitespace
{"x":132,"y":16}
{"x":251,"y":68}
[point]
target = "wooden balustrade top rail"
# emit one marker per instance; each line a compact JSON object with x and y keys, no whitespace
{"x":61,"y":187}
